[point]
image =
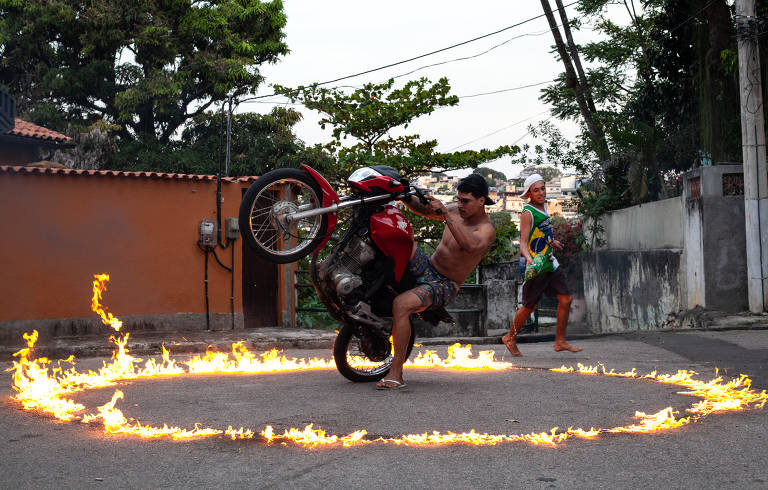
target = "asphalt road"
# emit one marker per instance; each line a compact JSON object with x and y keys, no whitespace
{"x":721,"y":451}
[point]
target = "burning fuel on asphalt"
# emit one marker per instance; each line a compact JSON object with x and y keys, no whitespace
{"x":45,"y":387}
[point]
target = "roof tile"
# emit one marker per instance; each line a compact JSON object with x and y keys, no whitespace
{"x":10,"y":169}
{"x":28,"y":130}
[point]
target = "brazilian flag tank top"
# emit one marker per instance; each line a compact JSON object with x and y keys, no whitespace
{"x":539,"y":241}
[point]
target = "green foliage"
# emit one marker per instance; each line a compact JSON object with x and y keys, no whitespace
{"x":495,"y":175}
{"x":664,"y":86}
{"x":503,"y":248}
{"x":259,"y":143}
{"x":554,"y":149}
{"x":374,"y":115}
{"x":148,"y":66}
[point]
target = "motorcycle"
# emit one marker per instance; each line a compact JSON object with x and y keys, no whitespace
{"x":290,"y":213}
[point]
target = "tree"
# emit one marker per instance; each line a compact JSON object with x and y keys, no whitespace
{"x":149,"y":66}
{"x":665,"y":92}
{"x":503,"y":248}
{"x":259,"y":143}
{"x":547,"y":172}
{"x":556,"y":150}
{"x":581,"y":92}
{"x":372,"y":114}
{"x":495,"y":175}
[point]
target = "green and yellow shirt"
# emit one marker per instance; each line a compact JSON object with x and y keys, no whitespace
{"x":540,"y":240}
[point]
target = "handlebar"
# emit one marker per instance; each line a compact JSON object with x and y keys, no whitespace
{"x":348,"y":201}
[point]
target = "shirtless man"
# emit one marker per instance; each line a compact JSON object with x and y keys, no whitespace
{"x":467,"y":236}
{"x":537,"y":241}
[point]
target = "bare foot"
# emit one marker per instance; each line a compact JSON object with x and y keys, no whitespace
{"x":511,"y":344}
{"x":560,"y":346}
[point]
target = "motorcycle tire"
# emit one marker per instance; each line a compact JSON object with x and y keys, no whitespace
{"x":265,"y":203}
{"x":345,"y":340}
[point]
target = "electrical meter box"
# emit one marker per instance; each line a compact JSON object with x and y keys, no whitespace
{"x":206,"y":235}
{"x":233,"y":228}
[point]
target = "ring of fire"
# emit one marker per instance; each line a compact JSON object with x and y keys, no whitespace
{"x":44,"y":388}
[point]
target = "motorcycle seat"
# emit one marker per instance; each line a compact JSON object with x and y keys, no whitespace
{"x":436,"y":315}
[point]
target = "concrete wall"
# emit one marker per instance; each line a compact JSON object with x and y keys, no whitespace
{"x":664,"y":258}
{"x":501,"y":283}
{"x":62,"y":227}
{"x":716,"y":269}
{"x":631,"y":290}
{"x":649,"y":226}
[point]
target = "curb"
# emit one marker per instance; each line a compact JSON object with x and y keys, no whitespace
{"x":86,"y":348}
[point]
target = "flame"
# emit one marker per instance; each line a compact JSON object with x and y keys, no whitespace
{"x":43,"y":387}
{"x":99,"y":285}
{"x":459,"y":357}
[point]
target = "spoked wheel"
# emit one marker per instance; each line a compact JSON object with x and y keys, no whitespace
{"x":266,"y":209}
{"x":351,"y":354}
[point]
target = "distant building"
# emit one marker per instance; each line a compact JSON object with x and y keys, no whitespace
{"x":553,"y":187}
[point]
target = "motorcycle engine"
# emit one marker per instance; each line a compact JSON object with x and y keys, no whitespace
{"x":345,"y":271}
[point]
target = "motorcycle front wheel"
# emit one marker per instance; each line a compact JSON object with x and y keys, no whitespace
{"x":265,"y":207}
{"x":353,"y":363}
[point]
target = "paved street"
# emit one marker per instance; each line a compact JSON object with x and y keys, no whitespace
{"x":721,"y":451}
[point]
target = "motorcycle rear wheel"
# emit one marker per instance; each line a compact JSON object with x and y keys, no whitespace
{"x":352,"y":362}
{"x":264,"y":207}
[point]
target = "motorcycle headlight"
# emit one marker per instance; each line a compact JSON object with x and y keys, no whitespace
{"x":362,"y":174}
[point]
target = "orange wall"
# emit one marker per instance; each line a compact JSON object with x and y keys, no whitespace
{"x":58,"y":230}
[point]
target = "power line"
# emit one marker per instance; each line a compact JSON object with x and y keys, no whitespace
{"x":510,"y":89}
{"x":532,"y":34}
{"x":500,"y":130}
{"x":506,"y":90}
{"x":417,"y":57}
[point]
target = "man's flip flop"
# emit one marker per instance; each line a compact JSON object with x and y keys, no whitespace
{"x":397,"y":385}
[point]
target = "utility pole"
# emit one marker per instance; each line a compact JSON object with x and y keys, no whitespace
{"x":753,"y":150}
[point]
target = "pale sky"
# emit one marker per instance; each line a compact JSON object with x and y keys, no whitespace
{"x":333,"y":38}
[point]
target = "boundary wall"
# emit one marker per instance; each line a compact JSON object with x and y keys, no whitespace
{"x":62,"y":226}
{"x":664,"y":259}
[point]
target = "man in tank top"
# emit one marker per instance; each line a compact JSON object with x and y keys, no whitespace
{"x":542,"y":275}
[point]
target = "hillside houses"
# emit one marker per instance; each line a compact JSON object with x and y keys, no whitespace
{"x":560,"y":194}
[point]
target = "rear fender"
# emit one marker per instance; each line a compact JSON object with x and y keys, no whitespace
{"x":329,"y":197}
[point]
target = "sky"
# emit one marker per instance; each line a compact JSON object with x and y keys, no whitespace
{"x":330,"y":39}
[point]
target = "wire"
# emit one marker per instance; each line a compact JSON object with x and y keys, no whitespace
{"x":500,"y":130}
{"x":506,"y":90}
{"x":416,"y":57}
{"x":532,"y":34}
{"x":510,"y":89}
{"x":692,"y":16}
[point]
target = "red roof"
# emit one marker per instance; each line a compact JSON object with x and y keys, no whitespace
{"x":11,"y":169}
{"x":26,"y":129}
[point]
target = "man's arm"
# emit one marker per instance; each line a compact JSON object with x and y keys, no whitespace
{"x":426,"y":210}
{"x":526,"y":221}
{"x":470,"y":240}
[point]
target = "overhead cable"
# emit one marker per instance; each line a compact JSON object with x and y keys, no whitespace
{"x":500,"y":130}
{"x":416,"y":57}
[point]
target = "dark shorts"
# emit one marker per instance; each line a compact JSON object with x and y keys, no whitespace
{"x":440,"y":289}
{"x":549,"y":283}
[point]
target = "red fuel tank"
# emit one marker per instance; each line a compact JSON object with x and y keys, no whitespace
{"x":393,"y":234}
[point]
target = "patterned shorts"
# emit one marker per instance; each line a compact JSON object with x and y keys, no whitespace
{"x":443,"y":290}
